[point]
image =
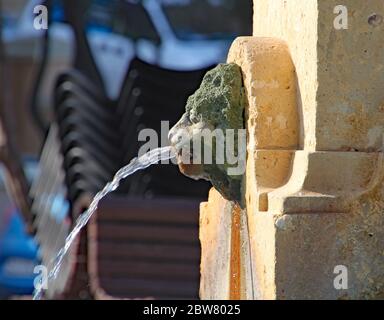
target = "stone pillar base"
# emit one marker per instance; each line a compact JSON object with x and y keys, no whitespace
{"x":310,"y":217}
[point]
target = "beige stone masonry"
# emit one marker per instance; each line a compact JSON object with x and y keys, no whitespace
{"x":313,"y":188}
{"x":225,"y":264}
{"x":340,"y":72}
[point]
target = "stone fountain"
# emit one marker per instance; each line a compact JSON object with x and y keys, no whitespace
{"x":306,"y":219}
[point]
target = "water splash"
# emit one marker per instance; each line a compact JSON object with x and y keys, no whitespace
{"x":140,"y":163}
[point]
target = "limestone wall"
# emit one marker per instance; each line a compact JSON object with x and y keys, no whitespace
{"x":313,"y":222}
{"x":340,"y":72}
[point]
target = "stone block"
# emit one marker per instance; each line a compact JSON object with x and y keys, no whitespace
{"x":339,"y":71}
{"x":225,"y":264}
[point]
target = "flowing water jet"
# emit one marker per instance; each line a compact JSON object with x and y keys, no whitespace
{"x":139,"y":163}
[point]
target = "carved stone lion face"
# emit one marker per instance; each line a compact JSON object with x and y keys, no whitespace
{"x":209,"y":127}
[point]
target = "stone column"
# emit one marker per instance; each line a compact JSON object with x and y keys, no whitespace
{"x":313,"y":188}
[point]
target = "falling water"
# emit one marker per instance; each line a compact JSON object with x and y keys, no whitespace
{"x":136,"y":164}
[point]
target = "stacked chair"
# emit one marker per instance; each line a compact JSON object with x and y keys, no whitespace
{"x":88,"y":135}
{"x":143,"y":240}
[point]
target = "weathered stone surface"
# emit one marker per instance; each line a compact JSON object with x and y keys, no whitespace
{"x":271,"y":114}
{"x":313,"y":189}
{"x":340,"y":72}
{"x":217,"y":104}
{"x":295,"y":22}
{"x":294,"y":256}
{"x":309,"y":247}
{"x":215,"y":238}
{"x":271,"y":105}
{"x":225,"y":264}
{"x":328,"y":212}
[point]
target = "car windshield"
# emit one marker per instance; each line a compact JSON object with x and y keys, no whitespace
{"x":209,"y":19}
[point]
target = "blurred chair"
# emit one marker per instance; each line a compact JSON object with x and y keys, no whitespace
{"x":144,"y":249}
{"x":150,"y":95}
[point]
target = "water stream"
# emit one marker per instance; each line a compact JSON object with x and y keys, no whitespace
{"x":136,"y":164}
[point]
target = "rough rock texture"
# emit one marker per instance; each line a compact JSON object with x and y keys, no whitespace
{"x":217,"y":104}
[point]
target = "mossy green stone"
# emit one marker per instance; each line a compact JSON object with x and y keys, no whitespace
{"x":219,"y":101}
{"x":217,"y":104}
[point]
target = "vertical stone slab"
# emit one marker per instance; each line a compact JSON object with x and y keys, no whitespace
{"x":340,"y":71}
{"x":314,"y":209}
{"x":329,"y":213}
{"x":350,"y":77}
{"x":215,"y":238}
{"x":271,"y":110}
{"x":225,"y":264}
{"x":273,"y":132}
{"x":312,"y":250}
{"x":295,"y":22}
{"x":271,"y":114}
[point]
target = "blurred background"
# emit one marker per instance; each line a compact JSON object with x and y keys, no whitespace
{"x":73,"y":98}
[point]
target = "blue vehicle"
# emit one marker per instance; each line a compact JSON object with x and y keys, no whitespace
{"x":18,"y":250}
{"x":18,"y":256}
